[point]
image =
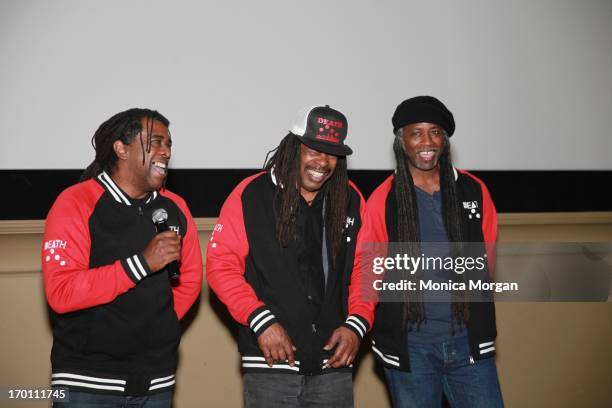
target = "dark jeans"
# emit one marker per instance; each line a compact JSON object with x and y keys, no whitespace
{"x":445,"y":367}
{"x":333,"y":390}
{"x":87,"y":400}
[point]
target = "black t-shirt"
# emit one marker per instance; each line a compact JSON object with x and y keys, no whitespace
{"x":309,"y":236}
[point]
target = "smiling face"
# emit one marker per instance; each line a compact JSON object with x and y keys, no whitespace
{"x":315,"y":169}
{"x":423,"y":145}
{"x":138,"y":179}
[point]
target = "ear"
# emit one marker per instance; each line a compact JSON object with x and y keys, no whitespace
{"x":120,"y":149}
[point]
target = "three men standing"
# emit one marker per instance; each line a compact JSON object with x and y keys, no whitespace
{"x":281,"y":259}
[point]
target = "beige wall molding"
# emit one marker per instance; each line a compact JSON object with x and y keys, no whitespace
{"x":560,"y":218}
{"x":565,"y":347}
{"x":15,"y":227}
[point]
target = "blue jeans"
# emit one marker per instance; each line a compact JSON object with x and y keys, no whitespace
{"x":445,"y":367}
{"x":89,"y":400}
{"x":333,"y":390}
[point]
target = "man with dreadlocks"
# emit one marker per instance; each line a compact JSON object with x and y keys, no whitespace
{"x":281,"y":259}
{"x":115,"y":315}
{"x":430,"y":348}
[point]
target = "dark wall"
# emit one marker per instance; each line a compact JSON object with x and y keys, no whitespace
{"x":28,"y":194}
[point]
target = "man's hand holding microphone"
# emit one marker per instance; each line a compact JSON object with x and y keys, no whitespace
{"x":165,"y":247}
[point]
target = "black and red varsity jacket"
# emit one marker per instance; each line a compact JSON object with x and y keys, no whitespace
{"x":115,"y":323}
{"x":258,"y":280}
{"x":389,"y":337}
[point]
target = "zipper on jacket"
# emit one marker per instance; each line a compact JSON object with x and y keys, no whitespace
{"x":139,"y":210}
{"x":471,"y":360}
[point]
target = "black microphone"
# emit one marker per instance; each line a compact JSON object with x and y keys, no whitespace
{"x":160,"y":216}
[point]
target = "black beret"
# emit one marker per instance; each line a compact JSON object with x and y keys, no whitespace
{"x":423,"y":109}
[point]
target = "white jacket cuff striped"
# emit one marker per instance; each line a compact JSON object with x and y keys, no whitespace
{"x":136,"y":267}
{"x":357,"y":324}
{"x":260,"y":320}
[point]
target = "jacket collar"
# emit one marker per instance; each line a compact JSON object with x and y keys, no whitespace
{"x":121,"y":197}
{"x":273,"y":177}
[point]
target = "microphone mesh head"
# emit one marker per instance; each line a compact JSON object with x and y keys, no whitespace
{"x":159,"y":215}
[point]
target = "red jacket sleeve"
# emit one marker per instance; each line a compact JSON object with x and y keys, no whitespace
{"x":190,"y":281}
{"x":376,"y":231}
{"x":360,"y":309}
{"x":225,"y":264}
{"x":370,"y":240}
{"x":489,"y":222}
{"x":69,"y":282}
{"x":489,"y":226}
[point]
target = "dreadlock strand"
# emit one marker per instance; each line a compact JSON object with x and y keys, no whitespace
{"x":454,"y":226}
{"x":407,"y":230}
{"x":337,"y":195}
{"x":283,"y":164}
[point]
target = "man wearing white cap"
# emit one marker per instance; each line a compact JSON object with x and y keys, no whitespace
{"x":281,"y":259}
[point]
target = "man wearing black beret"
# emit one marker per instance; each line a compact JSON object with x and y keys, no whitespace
{"x":447,"y":346}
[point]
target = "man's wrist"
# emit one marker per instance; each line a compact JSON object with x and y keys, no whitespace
{"x":357,"y":325}
{"x":136,"y":267}
{"x":261,"y":319}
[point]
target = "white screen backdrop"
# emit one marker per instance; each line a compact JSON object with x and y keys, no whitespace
{"x":529,"y":82}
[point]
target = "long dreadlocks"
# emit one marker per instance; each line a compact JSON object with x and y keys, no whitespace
{"x":284,"y":165}
{"x":408,"y":225}
{"x":123,"y":126}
